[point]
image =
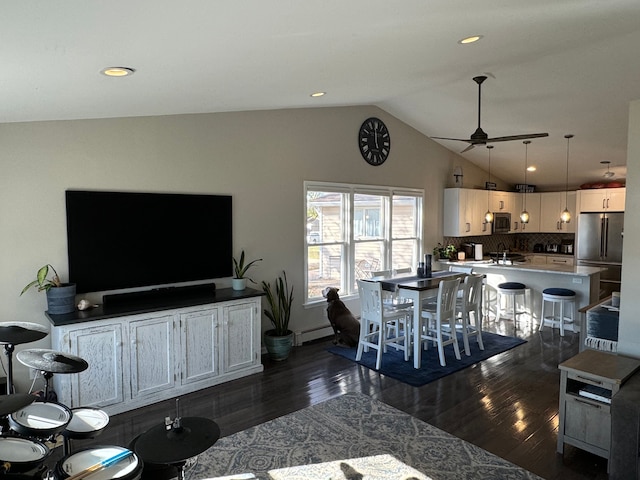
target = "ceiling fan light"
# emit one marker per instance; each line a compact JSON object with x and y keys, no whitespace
{"x":524,"y":216}
{"x":565,"y":216}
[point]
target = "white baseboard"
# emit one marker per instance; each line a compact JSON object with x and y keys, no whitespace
{"x":312,"y":334}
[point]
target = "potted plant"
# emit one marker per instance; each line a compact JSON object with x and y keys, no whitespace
{"x":278,"y":340}
{"x":61,"y":297}
{"x":239,"y":281}
{"x":447,"y":252}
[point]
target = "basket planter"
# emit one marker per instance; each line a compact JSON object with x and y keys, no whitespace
{"x":278,"y":346}
{"x":62,"y":299}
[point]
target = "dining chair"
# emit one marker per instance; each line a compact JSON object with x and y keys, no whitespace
{"x":379,"y":326}
{"x":438,"y":320}
{"x":469,"y":307}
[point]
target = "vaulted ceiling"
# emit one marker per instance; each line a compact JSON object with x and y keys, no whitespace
{"x":553,"y":66}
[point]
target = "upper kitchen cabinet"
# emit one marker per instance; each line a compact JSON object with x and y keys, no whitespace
{"x":602,"y":200}
{"x":552,"y":204}
{"x":501,"y":201}
{"x":532,"y":204}
{"x":464,"y":211}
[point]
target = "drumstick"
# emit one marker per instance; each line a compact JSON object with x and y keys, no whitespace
{"x":100,"y":465}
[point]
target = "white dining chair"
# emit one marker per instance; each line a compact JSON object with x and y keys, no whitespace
{"x":381,"y":327}
{"x":469,"y":311}
{"x":438,"y":320}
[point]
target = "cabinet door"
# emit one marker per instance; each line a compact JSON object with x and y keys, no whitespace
{"x":532,"y":204}
{"x":616,"y":199}
{"x":240,"y":337}
{"x":199,"y":345}
{"x":592,"y":200}
{"x":552,"y":205}
{"x":101,"y":384}
{"x":152,"y":355}
{"x":588,"y":421}
{"x":501,"y":201}
{"x":477,"y":204}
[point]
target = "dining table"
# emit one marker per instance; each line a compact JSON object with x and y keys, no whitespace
{"x":414,"y":289}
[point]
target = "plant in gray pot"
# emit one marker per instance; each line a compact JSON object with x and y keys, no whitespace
{"x":61,"y":297}
{"x":239,"y":281}
{"x":278,"y":340}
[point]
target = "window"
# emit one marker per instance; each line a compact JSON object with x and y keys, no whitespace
{"x":354,"y":230}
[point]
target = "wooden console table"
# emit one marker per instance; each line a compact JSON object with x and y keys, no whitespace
{"x":588,"y":381}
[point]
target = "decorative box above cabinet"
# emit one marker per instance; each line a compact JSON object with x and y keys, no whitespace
{"x":464,"y":211}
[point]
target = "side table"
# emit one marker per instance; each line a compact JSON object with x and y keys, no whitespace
{"x":588,"y":381}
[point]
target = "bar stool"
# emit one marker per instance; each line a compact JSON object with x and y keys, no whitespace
{"x":563,"y":297}
{"x":510,"y":292}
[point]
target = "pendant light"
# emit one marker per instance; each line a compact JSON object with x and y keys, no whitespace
{"x":608,"y":173}
{"x":488,"y":217}
{"x":524,"y":215}
{"x":565,"y":216}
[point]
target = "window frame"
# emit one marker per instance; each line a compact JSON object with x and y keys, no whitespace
{"x":349,"y":242}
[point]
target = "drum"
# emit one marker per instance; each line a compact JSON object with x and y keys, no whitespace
{"x":128,"y":468}
{"x":86,"y":422}
{"x":40,"y":419}
{"x":22,"y":454}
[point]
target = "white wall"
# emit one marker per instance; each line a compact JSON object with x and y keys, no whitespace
{"x":260,"y":158}
{"x":629,"y":331}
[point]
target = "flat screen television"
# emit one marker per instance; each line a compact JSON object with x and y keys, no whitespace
{"x":122,"y":240}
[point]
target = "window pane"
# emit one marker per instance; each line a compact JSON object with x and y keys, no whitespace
{"x":405,"y":254}
{"x":325,"y":212}
{"x":324,"y":268}
{"x":368,"y":258}
{"x":404,"y":217}
{"x":368,"y":218}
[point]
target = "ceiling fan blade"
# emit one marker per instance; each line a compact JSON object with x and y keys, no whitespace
{"x":456,"y":139}
{"x":516,"y":137}
{"x":468,"y":148}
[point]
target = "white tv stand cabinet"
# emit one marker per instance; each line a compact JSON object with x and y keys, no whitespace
{"x":145,"y":352}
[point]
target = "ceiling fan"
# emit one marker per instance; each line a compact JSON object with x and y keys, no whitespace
{"x":479,"y":137}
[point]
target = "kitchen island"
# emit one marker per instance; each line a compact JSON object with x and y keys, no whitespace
{"x":585,"y":281}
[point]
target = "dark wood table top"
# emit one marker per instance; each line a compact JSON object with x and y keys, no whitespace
{"x":413,"y":282}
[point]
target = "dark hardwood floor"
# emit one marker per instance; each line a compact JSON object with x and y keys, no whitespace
{"x":507,"y":404}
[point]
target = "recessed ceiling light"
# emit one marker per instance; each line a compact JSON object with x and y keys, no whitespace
{"x":318,"y":94}
{"x":117,"y":71}
{"x":531,"y":168}
{"x":472,"y":39}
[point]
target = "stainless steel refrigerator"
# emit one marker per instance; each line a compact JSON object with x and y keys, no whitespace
{"x":599,"y":244}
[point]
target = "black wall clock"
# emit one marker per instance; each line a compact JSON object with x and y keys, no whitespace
{"x":374,"y":141}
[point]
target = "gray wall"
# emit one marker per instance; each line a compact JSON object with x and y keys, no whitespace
{"x":261,"y":158}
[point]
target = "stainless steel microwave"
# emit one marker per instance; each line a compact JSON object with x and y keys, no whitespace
{"x":501,"y":222}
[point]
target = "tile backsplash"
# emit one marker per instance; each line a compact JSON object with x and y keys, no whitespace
{"x":522,"y":242}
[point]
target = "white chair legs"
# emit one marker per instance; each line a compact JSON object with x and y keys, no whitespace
{"x":565,"y":299}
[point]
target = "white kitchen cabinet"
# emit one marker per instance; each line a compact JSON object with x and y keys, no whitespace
{"x":552,"y":204}
{"x":602,"y":200}
{"x":532,"y":206}
{"x":152,"y":355}
{"x":139,"y":359}
{"x":501,"y":201}
{"x":464,"y":211}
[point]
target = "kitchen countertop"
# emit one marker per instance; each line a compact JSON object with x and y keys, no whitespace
{"x":575,"y":270}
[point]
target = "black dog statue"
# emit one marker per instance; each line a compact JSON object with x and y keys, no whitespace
{"x":345,"y":326}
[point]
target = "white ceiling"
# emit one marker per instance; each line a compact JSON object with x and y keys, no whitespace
{"x":556,"y":66}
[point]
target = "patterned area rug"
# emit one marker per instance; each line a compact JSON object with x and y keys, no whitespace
{"x":351,"y":426}
{"x":394,"y":365}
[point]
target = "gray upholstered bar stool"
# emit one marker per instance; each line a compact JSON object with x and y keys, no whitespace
{"x":509,"y":291}
{"x":564,"y":298}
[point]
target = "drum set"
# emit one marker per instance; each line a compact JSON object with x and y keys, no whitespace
{"x":31,"y":427}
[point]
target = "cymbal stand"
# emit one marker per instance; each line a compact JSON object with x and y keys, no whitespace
{"x":47,"y":376}
{"x":175,"y":426}
{"x":8,"y":350}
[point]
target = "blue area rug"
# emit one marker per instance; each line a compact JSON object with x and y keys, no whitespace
{"x":394,"y":366}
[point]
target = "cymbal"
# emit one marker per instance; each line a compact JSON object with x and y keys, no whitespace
{"x":17,"y":333}
{"x":166,"y":447}
{"x":52,"y":361}
{"x":14,"y":402}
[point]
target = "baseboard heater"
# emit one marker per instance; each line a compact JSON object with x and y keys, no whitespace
{"x":312,"y":334}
